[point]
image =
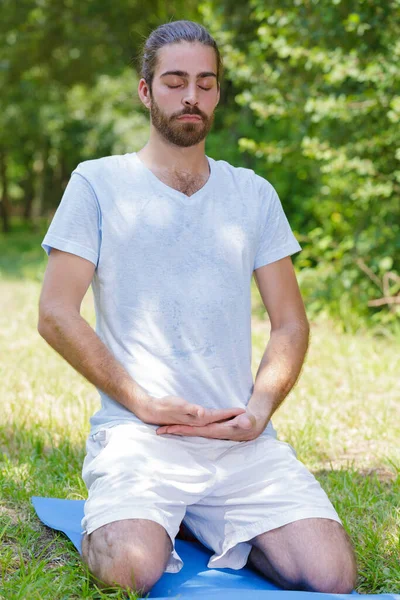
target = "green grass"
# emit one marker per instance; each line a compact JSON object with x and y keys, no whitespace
{"x":342,"y":418}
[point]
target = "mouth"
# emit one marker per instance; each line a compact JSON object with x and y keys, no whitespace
{"x":189,"y":118}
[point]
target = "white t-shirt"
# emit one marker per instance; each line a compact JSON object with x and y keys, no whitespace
{"x":173,"y":272}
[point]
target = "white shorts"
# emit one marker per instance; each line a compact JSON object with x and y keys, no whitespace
{"x":225,"y":492}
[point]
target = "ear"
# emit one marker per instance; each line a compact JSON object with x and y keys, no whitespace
{"x":144,"y":93}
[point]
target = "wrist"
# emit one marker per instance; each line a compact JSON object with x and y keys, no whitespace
{"x":260,"y":406}
{"x":138,"y":399}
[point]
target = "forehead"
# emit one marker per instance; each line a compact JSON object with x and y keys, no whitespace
{"x":192,"y":57}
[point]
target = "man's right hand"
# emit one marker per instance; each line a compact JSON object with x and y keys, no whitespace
{"x":174,"y":410}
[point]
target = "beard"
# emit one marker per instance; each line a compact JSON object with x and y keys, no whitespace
{"x":180,"y":133}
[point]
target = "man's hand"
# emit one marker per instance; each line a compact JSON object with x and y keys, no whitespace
{"x":242,"y":428}
{"x":174,"y":410}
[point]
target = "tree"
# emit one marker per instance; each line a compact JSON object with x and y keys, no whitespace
{"x":321,"y":79}
{"x":50,"y":54}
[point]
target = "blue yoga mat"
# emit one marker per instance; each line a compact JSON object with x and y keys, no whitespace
{"x":195,"y":579}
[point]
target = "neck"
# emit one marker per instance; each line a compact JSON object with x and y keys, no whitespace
{"x":165,"y":156}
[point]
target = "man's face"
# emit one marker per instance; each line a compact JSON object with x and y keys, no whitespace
{"x":184,"y":84}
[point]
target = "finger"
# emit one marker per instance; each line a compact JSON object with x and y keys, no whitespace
{"x":186,"y":430}
{"x":245,"y":421}
{"x":213,"y":416}
{"x":162,"y":430}
{"x":194,"y":410}
{"x":198,"y":415}
{"x":214,"y":430}
{"x":177,"y":430}
{"x":242,"y":421}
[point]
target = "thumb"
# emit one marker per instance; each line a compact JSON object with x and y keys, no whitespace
{"x":195,"y":410}
{"x":245,"y":421}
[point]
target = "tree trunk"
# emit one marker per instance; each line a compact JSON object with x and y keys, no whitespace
{"x":29,"y":191}
{"x":4,"y":200}
{"x":42,"y":180}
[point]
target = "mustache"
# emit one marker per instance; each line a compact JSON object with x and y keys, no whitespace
{"x":194,"y":111}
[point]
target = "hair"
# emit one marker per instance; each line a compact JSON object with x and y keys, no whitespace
{"x":173,"y":33}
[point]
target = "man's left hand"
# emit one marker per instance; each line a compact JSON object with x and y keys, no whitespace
{"x":246,"y":426}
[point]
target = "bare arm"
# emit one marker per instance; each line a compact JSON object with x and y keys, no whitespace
{"x":66,"y":281}
{"x":283,"y":358}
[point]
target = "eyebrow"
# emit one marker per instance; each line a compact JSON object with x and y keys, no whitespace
{"x":186,"y":74}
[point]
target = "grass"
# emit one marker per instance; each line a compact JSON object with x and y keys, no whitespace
{"x":342,"y":418}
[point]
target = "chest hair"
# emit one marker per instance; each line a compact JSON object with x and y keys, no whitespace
{"x":183,"y":182}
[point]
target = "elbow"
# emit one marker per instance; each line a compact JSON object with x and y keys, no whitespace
{"x":302,"y":330}
{"x":300,"y":326}
{"x":54,"y":317}
{"x":298,"y":331}
{"x":49,"y":317}
{"x":44,"y":323}
{"x":305,"y":325}
{"x":307,"y":331}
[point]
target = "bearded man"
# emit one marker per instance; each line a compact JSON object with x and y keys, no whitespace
{"x":170,"y":238}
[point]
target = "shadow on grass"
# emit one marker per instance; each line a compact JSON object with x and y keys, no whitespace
{"x":21,"y":254}
{"x":34,"y":463}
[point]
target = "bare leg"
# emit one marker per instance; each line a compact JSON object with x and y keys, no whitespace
{"x":131,"y":554}
{"x":307,"y":555}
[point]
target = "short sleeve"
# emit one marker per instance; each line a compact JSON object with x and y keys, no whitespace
{"x":276,"y":238}
{"x":76,"y":225}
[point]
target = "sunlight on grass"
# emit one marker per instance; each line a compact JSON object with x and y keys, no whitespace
{"x":342,"y":418}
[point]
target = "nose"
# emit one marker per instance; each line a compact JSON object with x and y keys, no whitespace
{"x":190,"y":97}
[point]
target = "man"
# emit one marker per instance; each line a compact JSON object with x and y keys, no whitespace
{"x":169,"y":239}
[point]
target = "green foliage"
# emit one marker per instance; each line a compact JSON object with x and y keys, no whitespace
{"x":310,"y":100}
{"x":68,"y":90}
{"x":322,"y":81}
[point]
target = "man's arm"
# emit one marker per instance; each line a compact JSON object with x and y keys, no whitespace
{"x":284,"y":356}
{"x":282,"y":360}
{"x":66,"y":281}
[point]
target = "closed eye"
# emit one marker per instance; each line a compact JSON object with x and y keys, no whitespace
{"x":177,"y":86}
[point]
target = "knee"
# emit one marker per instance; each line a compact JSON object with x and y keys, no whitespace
{"x":128,"y":567}
{"x":333,"y":579}
{"x":137,"y":573}
{"x":331,"y":584}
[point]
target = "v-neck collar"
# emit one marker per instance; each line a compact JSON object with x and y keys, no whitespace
{"x":165,"y":188}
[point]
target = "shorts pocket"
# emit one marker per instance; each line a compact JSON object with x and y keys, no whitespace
{"x":101,"y":437}
{"x":95,"y":444}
